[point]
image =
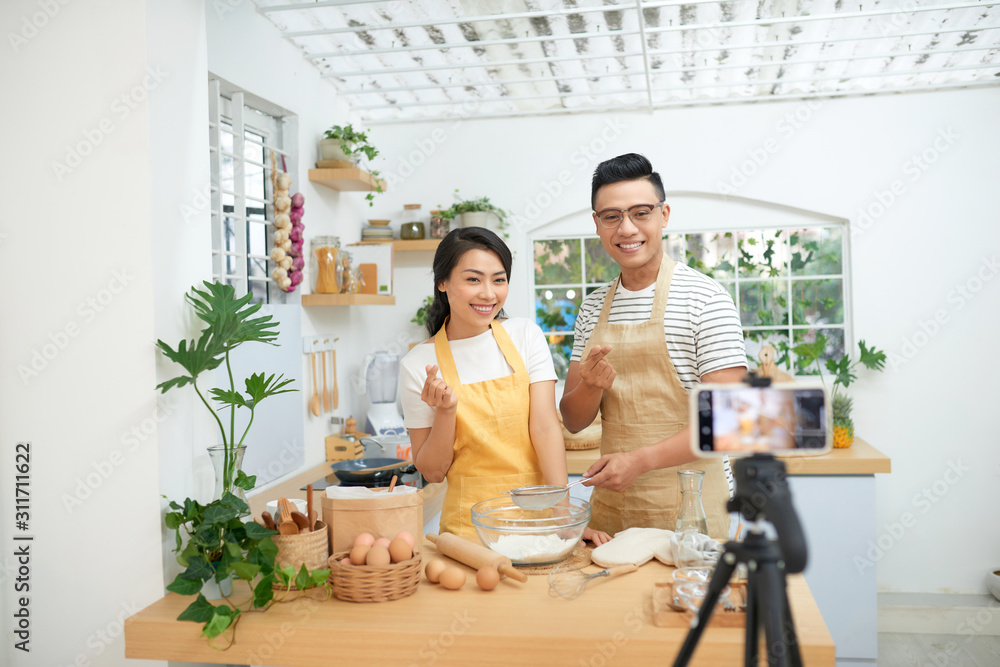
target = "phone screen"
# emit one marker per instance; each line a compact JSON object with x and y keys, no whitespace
{"x":739,"y":419}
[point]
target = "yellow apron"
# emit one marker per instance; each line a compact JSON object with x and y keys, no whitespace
{"x":493,"y":450}
{"x":645,"y":404}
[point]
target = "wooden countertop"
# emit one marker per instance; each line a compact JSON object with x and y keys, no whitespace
{"x":516,"y":624}
{"x":858,"y":459}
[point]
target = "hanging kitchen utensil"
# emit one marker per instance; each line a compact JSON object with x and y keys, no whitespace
{"x":326,"y":391}
{"x":570,"y":584}
{"x":314,"y":402}
{"x":541,"y":497}
{"x":335,"y":399}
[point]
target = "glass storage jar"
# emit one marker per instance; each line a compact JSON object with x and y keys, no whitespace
{"x":412,"y":226}
{"x":324,"y":264}
{"x":345,"y":273}
{"x":439,"y":225}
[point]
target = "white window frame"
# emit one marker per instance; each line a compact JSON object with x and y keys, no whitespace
{"x":239,"y":110}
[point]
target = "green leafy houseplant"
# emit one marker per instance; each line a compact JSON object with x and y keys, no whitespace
{"x":843,"y":375}
{"x":219,"y":546}
{"x":354,"y":143}
{"x":479,"y":204}
{"x":229,"y":323}
{"x":421,"y":316}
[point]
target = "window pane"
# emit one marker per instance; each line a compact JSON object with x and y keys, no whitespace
{"x":776,"y":338}
{"x":600,"y":267}
{"x":834,"y":348}
{"x":556,"y":309}
{"x":673,"y":245}
{"x":257,"y":241}
{"x":561,"y":347}
{"x":818,"y":301}
{"x":730,"y":287}
{"x":764,"y":303}
{"x":713,"y":254}
{"x":817,"y":251}
{"x":228,"y":234}
{"x":557,"y":262}
{"x":762,"y":253}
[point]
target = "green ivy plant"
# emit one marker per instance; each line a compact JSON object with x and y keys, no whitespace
{"x":220,"y":546}
{"x":353,"y":142}
{"x":229,"y":324}
{"x":421,"y":315}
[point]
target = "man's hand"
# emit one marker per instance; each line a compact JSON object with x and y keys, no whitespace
{"x":614,"y":472}
{"x":598,"y":537}
{"x":436,"y":393}
{"x":595,"y":371}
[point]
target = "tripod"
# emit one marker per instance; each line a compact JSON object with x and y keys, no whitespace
{"x":761,"y":491}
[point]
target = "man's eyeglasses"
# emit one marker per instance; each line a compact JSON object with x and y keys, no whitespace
{"x":639,"y":214}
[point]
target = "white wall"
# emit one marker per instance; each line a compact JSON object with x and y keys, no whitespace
{"x":76,"y":350}
{"x":835,"y":157}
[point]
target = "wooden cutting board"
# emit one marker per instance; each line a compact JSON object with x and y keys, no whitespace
{"x":369,"y":276}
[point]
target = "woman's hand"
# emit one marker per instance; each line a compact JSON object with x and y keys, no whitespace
{"x":436,"y":393}
{"x":598,"y":537}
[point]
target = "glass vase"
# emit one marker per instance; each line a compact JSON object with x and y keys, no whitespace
{"x":227,"y":462}
{"x":691,"y":515}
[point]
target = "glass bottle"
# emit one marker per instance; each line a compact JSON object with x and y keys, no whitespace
{"x":324,"y":264}
{"x":691,"y":515}
{"x":439,"y":225}
{"x":412,"y":227}
{"x":344,"y":274}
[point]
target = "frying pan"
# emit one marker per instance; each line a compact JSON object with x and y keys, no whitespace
{"x":371,"y":470}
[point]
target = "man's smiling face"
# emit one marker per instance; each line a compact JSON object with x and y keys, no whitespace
{"x":633,"y":245}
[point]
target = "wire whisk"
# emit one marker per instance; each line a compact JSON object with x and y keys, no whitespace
{"x":571,"y":583}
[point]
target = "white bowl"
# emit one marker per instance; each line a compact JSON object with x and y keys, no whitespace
{"x":272,"y":508}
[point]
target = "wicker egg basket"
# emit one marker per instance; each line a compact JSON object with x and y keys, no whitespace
{"x":374,"y":583}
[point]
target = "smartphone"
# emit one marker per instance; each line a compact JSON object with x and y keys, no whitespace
{"x":784,"y":419}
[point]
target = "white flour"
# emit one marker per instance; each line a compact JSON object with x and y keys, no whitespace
{"x":533,"y":548}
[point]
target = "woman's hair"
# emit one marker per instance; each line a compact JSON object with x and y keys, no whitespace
{"x":453,"y":246}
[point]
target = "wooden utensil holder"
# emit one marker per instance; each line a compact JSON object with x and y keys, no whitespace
{"x":311,"y":549}
{"x":374,"y":583}
{"x":338,"y":449}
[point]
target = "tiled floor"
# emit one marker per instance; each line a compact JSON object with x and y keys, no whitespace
{"x":913,"y":650}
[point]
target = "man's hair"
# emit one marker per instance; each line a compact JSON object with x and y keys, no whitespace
{"x":628,"y":167}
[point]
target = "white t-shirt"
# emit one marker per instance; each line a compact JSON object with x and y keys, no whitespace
{"x":700,"y":324}
{"x":477,"y":359}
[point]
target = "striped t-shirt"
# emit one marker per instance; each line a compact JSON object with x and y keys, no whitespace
{"x":700,"y":324}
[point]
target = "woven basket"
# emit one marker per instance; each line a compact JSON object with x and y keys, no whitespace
{"x":374,"y":583}
{"x":309,"y":549}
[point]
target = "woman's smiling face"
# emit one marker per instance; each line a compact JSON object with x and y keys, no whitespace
{"x":476,"y":289}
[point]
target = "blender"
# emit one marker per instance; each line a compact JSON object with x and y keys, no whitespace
{"x":380,"y":379}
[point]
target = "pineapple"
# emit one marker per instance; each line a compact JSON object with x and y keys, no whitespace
{"x":843,"y":425}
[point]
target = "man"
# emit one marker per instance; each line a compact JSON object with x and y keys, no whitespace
{"x":641,"y":343}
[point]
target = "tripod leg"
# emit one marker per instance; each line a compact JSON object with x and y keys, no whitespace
{"x":753,"y":628}
{"x":793,"y":638}
{"x":773,"y":607}
{"x":720,"y":579}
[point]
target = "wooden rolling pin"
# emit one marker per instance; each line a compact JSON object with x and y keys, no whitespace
{"x":474,"y":555}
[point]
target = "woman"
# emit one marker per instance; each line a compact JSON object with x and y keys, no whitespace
{"x":479,"y":395}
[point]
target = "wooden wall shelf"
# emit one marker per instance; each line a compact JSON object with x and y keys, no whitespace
{"x":347,"y":300}
{"x":345,"y":180}
{"x":401,"y":245}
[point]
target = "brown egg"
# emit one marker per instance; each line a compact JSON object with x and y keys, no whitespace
{"x":400,"y":550}
{"x":434,"y":570}
{"x":366,"y":539}
{"x":406,"y":536}
{"x":345,"y":561}
{"x":452,"y":578}
{"x":487,"y":578}
{"x":382,"y":542}
{"x":378,"y":555}
{"x":359,"y":554}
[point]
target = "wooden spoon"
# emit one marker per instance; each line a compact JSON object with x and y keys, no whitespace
{"x":314,"y":402}
{"x":326,"y":392}
{"x":392,"y":484}
{"x":301,"y":522}
{"x":309,"y":507}
{"x":268,"y":520}
{"x":335,"y":398}
{"x":288,"y":528}
{"x":285,"y":507}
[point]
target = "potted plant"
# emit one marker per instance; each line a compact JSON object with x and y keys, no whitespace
{"x":218,"y":546}
{"x":229,"y":323}
{"x":843,"y":371}
{"x":476,"y":212}
{"x":343,"y":143}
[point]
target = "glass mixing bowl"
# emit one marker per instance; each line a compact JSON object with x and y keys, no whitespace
{"x":531,"y":537}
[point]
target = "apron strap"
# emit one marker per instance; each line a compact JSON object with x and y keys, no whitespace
{"x":608,"y":300}
{"x":663,"y":278}
{"x":446,"y":361}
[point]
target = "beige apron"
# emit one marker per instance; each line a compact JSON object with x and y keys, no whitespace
{"x":493,"y":450}
{"x":646,"y":404}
